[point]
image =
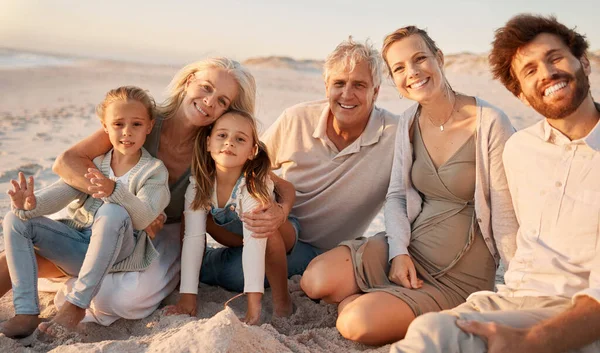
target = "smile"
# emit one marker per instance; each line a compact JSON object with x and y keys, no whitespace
{"x":418,"y":84}
{"x":200,"y":109}
{"x":344,"y":106}
{"x":554,"y":88}
{"x":229,"y":153}
{"x":127,"y":143}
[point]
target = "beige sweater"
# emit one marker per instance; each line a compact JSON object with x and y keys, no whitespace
{"x":146,"y":197}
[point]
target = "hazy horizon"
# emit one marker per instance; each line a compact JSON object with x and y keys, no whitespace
{"x":163,"y":33}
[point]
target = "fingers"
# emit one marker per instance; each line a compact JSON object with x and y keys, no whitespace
{"x":412,"y":273}
{"x":16,"y":186}
{"x":22,"y":182}
{"x":482,"y":329}
{"x":30,"y":184}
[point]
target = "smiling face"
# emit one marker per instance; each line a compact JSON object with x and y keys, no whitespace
{"x":208,"y":94}
{"x":417,"y":72}
{"x":552,"y":80}
{"x":351,"y":94}
{"x":231,"y":142}
{"x":127,"y":123}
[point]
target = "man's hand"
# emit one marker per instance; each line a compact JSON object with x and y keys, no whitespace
{"x":21,"y":195}
{"x":264,"y":221}
{"x":502,"y":339}
{"x":186,"y":305}
{"x":101,"y":185}
{"x":155,"y":226}
{"x":403,"y":272}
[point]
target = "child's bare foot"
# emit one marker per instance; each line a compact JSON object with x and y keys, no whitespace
{"x":254,"y":308}
{"x":20,"y":326}
{"x":283,"y":307}
{"x":68,"y":317}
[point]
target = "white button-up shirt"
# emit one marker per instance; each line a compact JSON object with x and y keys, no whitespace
{"x":555,"y":188}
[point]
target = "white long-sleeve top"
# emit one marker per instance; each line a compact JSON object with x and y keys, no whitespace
{"x":556,"y":194}
{"x":194,"y":240}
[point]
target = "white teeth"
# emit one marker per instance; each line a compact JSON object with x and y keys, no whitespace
{"x":347,"y":106}
{"x":419,"y":83}
{"x":552,"y":89}
{"x":127,"y":143}
{"x":200,"y":109}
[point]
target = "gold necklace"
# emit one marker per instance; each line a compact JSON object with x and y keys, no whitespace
{"x":449,"y":116}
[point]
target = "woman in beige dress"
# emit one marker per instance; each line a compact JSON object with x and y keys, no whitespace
{"x":448,"y":212}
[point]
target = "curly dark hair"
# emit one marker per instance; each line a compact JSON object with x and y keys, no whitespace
{"x":519,"y":31}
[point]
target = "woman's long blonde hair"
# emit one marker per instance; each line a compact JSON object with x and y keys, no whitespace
{"x":244,"y":101}
{"x":255,"y":170}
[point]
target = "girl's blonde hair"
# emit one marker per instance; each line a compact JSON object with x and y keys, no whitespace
{"x":125,"y":93}
{"x":406,"y":32}
{"x":244,"y":101}
{"x":255,"y":170}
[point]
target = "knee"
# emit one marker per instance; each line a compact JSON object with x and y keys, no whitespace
{"x":356,"y":323}
{"x":13,"y":225}
{"x":113,"y":211}
{"x":433,"y":325}
{"x":314,"y":281}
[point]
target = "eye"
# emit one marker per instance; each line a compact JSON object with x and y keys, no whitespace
{"x":529,"y":72}
{"x":221,"y":135}
{"x":241,"y":139}
{"x":421,"y":58}
{"x":339,"y":84}
{"x":360,"y":85}
{"x":398,"y":69}
{"x":556,"y":59}
{"x":222,"y":102}
{"x":207,"y":88}
{"x":118,"y":124}
{"x":137,"y":124}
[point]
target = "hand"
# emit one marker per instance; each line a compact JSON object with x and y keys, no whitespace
{"x":500,"y":338}
{"x":185,"y":306}
{"x":264,"y":221}
{"x":22,"y":196}
{"x":403,"y":272}
{"x":101,"y":185}
{"x":155,"y":226}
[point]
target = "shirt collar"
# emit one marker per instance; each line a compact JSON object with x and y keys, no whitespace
{"x":556,"y":137}
{"x":369,"y":136}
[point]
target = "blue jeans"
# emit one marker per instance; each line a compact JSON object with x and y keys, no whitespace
{"x":223,"y":266}
{"x":87,"y":254}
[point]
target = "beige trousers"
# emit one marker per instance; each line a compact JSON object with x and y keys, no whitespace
{"x":437,"y":332}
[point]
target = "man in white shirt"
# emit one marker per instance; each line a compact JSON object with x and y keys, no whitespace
{"x":551,"y":299}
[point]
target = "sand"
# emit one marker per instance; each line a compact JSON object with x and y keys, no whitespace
{"x":43,"y":110}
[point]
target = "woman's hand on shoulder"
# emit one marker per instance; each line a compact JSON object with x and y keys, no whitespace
{"x":264,"y":221}
{"x":403,"y":272}
{"x":185,"y":306}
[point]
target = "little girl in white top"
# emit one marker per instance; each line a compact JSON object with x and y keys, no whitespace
{"x":231,"y":176}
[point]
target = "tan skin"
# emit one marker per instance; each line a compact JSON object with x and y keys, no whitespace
{"x":578,"y":326}
{"x":365,"y":317}
{"x":175,"y":149}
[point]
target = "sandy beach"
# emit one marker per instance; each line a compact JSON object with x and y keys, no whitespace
{"x":46,"y":108}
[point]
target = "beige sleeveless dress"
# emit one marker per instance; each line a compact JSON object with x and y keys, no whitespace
{"x":446,"y":244}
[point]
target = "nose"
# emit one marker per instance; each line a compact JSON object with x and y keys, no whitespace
{"x":548,"y":70}
{"x":413,"y":70}
{"x":209,"y":100}
{"x":127,"y":130}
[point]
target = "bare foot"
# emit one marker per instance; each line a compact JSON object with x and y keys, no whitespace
{"x":20,"y":326}
{"x":68,"y":317}
{"x":283,"y":308}
{"x":254,"y":308}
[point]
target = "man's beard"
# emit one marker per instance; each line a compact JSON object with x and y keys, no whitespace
{"x":556,"y":110}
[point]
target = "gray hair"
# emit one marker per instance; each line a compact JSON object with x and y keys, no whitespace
{"x":350,"y":53}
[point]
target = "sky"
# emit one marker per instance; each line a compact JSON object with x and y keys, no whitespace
{"x":175,"y":31}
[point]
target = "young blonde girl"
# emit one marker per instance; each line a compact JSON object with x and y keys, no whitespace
{"x":129,"y":187}
{"x":230,"y":176}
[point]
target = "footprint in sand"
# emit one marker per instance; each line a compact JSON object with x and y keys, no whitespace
{"x":28,"y":169}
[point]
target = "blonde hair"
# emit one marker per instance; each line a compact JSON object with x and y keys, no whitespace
{"x":244,"y":101}
{"x":406,"y":32}
{"x":255,"y":170}
{"x":125,"y":93}
{"x":351,"y":53}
